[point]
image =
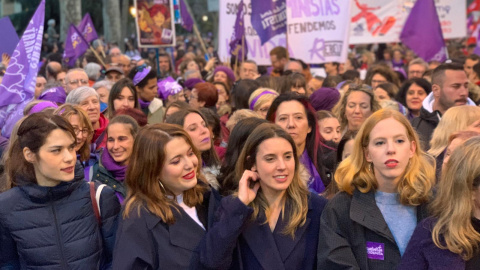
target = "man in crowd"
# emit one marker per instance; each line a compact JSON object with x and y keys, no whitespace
{"x":279,"y":58}
{"x":332,"y":68}
{"x":75,"y":78}
{"x":449,"y":89}
{"x":248,"y":70}
{"x":52,"y":69}
{"x":294,"y":66}
{"x":416,"y":68}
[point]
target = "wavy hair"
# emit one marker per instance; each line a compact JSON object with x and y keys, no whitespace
{"x":417,"y":179}
{"x":144,"y":170}
{"x":453,"y":205}
{"x":296,"y":196}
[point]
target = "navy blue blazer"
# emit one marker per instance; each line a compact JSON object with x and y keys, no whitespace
{"x":236,"y":242}
{"x":144,"y":241}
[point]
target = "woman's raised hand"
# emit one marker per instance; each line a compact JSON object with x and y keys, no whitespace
{"x":248,"y":186}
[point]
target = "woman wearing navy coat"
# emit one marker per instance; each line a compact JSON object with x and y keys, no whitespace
{"x":272,"y":221}
{"x":169,"y":206}
{"x":47,"y":218}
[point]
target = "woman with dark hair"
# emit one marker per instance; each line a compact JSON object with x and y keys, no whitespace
{"x":294,"y":113}
{"x":112,"y":161}
{"x":145,"y":81}
{"x":225,"y":75}
{"x":381,"y":74}
{"x":295,"y":82}
{"x":204,"y":95}
{"x":241,"y":92}
{"x":411,"y":95}
{"x":49,"y":218}
{"x":272,"y":220}
{"x":213,"y":123}
{"x":122,"y":95}
{"x":241,"y":131}
{"x":196,"y":125}
{"x":169,"y":206}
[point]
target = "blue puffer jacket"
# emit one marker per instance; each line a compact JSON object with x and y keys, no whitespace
{"x":56,"y":228}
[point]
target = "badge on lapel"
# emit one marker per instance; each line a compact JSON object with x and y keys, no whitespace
{"x":375,"y":251}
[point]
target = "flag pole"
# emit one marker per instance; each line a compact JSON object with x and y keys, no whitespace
{"x":195,"y":28}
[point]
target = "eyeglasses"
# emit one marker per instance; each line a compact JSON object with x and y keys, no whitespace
{"x":76,"y":82}
{"x":84,"y":131}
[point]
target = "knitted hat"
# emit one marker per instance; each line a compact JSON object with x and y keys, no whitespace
{"x":168,"y":87}
{"x":190,"y":83}
{"x":55,"y":94}
{"x":324,"y":98}
{"x":226,"y":70}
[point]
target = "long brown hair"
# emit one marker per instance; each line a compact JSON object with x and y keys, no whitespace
{"x":144,"y":170}
{"x":417,"y":180}
{"x":297,"y":192}
{"x":453,"y":205}
{"x":32,"y":133}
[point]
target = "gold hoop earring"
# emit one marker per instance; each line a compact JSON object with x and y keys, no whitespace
{"x":162,"y":187}
{"x":370,"y":166}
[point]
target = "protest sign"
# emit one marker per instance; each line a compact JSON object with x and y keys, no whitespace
{"x":318,"y":31}
{"x":379,"y":21}
{"x":155,"y":23}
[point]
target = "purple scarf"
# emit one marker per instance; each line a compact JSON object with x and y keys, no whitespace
{"x":315,"y":182}
{"x":143,"y":104}
{"x":117,"y":170}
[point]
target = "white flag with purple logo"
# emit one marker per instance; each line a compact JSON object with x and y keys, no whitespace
{"x":18,"y":85}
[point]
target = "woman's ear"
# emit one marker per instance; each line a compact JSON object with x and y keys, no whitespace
{"x":29,"y":155}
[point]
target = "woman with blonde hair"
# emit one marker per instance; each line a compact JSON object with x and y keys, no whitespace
{"x":384,"y":185}
{"x":450,"y":239}
{"x":261,"y":100}
{"x":272,"y":221}
{"x":82,"y":126}
{"x":169,"y":206}
{"x":355,"y":106}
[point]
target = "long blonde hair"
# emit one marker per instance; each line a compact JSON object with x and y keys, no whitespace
{"x":455,"y":119}
{"x":417,"y":180}
{"x":453,"y":205}
{"x":297,"y":192}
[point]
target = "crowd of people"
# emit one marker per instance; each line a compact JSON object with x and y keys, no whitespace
{"x":178,"y":160}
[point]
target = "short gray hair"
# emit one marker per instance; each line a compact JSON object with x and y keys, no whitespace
{"x":80,"y":94}
{"x":93,"y":71}
{"x":103,"y":83}
{"x":418,"y":61}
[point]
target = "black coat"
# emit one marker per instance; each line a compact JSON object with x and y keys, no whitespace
{"x":56,"y":228}
{"x":144,"y":241}
{"x":236,"y":242}
{"x":424,"y":125}
{"x":347,"y":223}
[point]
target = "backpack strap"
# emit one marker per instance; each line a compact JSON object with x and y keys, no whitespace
{"x":95,"y":197}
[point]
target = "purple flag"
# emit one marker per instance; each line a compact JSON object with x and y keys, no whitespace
{"x":269,"y":18}
{"x":75,"y":46}
{"x":9,"y":36}
{"x":87,"y":28}
{"x":422,"y":32}
{"x":18,"y":84}
{"x":187,"y":21}
{"x":238,"y":35}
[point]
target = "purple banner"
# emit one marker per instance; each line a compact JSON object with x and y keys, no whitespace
{"x":269,"y":18}
{"x":237,"y":43}
{"x":18,"y":84}
{"x":186,"y":18}
{"x":9,"y":36}
{"x":422,"y":32}
{"x":75,"y":46}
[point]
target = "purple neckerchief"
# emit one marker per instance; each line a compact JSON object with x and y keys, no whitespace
{"x":397,"y":64}
{"x":117,"y":170}
{"x":143,"y":104}
{"x":315,"y":182}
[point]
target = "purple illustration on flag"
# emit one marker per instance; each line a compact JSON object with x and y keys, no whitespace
{"x":269,"y":18}
{"x":422,"y":32}
{"x":87,"y":28}
{"x":18,"y":84}
{"x":187,"y":20}
{"x":238,"y":36}
{"x":75,"y":45}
